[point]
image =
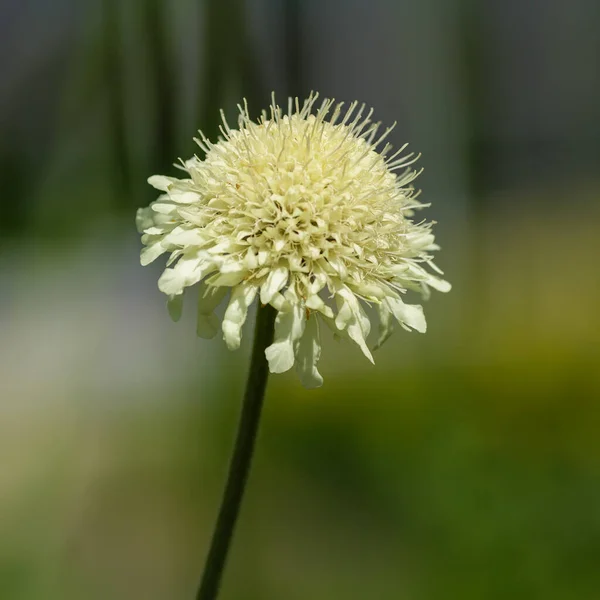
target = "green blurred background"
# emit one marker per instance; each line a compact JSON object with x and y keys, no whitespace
{"x":465,"y":465}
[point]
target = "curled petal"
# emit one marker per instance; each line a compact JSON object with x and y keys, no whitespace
{"x":315,"y":302}
{"x":289,"y":327}
{"x":276,"y":279}
{"x":151,"y":253}
{"x":242,"y":297}
{"x":352,"y":318}
{"x":186,"y":237}
{"x":187,"y":272}
{"x":441,"y":285}
{"x":278,"y":302}
{"x":184,"y":197}
{"x":160,"y":182}
{"x":408,"y":315}
{"x":228,"y":279}
{"x":370,"y":291}
{"x":164,"y":207}
{"x":421,"y":240}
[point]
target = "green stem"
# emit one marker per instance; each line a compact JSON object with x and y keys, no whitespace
{"x":242,"y":456}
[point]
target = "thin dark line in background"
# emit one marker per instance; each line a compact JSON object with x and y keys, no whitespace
{"x":164,"y":85}
{"x":293,"y":48}
{"x":116,"y":109}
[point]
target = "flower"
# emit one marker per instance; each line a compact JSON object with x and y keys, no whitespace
{"x":302,"y":211}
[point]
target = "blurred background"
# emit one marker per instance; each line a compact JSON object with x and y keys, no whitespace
{"x":466,"y":464}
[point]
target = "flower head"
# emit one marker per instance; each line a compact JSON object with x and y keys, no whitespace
{"x":303,"y":211}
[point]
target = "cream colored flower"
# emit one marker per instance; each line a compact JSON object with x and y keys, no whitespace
{"x":301,"y":211}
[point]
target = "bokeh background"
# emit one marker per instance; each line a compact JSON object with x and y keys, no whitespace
{"x":466,"y":464}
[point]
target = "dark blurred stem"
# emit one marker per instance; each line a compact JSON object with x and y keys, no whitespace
{"x":477,"y":160}
{"x":242,"y":456}
{"x":293,"y":48}
{"x":229,"y":57}
{"x":220,"y":35}
{"x":164,"y":85}
{"x":114,"y":86}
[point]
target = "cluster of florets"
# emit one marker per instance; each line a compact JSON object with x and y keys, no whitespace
{"x":303,"y":211}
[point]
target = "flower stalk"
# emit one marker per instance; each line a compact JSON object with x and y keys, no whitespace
{"x":242,"y":455}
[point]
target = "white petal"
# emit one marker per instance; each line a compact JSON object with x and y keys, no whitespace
{"x":278,"y":302}
{"x":225,"y":246}
{"x":315,"y":302}
{"x":276,"y":279}
{"x":163,"y":219}
{"x":439,"y":284}
{"x":174,"y":256}
{"x":250,"y":260}
{"x":175,"y":306}
{"x":193,"y":214}
{"x":318,"y":283}
{"x":308,"y":354}
{"x":155,"y":230}
{"x":353,"y":319}
{"x":435,"y":267}
{"x":184,"y":197}
{"x":420,"y":240}
{"x":208,"y":299}
{"x":186,"y":237}
{"x":339,"y":267}
{"x":164,"y":207}
{"x":228,"y":279}
{"x":151,"y":253}
{"x":186,"y":272}
{"x":263,"y":255}
{"x":242,"y":297}
{"x":370,"y":291}
{"x":410,"y":315}
{"x":289,"y":327}
{"x":417,"y":273}
{"x":160,"y":182}
{"x":386,"y":325}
